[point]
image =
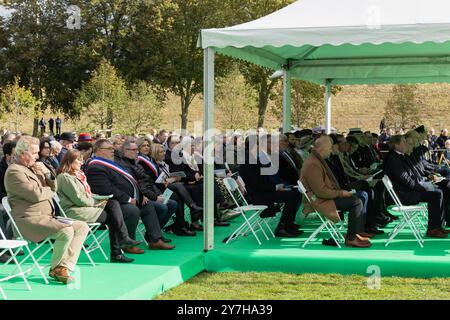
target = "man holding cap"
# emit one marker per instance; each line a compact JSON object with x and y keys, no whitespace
{"x":66,"y":140}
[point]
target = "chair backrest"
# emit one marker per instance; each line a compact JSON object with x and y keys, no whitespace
{"x":302,"y":190}
{"x":7,"y":206}
{"x":234,"y":191}
{"x":390,"y":188}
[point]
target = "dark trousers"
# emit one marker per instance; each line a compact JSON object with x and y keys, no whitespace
{"x":165,"y":211}
{"x":375,"y":205}
{"x":112,"y":216}
{"x":435,"y":205}
{"x":147,"y":213}
{"x":196,"y":192}
{"x":291,"y":199}
{"x":444,"y":185}
{"x":5,"y":224}
{"x":354,"y":206}
{"x":182,"y":197}
{"x":58,"y":130}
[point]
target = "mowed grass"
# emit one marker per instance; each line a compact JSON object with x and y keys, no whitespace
{"x":283,"y":286}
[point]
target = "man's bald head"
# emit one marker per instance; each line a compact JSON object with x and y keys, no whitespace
{"x":323,"y":145}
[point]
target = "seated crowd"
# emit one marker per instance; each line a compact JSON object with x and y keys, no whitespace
{"x":126,"y":181}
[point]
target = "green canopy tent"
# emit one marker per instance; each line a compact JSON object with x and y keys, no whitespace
{"x":331,"y":42}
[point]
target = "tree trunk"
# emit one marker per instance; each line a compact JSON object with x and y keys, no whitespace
{"x":185,"y":102}
{"x":35,"y":127}
{"x":263,"y":101}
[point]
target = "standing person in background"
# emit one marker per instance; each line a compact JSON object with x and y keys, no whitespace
{"x":51,"y":124}
{"x":42,"y":124}
{"x":58,"y":122}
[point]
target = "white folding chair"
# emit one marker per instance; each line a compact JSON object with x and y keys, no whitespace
{"x":328,"y":225}
{"x":252,"y":223}
{"x":12,"y":247}
{"x":31,"y":253}
{"x":410,"y":215}
{"x":94,"y":242}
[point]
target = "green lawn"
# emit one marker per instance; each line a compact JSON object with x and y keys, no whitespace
{"x":283,"y":286}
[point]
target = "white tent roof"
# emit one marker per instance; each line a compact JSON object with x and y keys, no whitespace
{"x":349,"y":41}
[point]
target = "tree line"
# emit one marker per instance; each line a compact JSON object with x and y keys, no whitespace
{"x":122,"y":55}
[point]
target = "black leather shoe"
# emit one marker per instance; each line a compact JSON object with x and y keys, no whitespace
{"x":196,"y":227}
{"x":268,"y":213}
{"x":374,"y":230}
{"x":294,"y":230}
{"x":121,"y":259}
{"x":166,"y":240}
{"x":391,"y":216}
{"x":219,"y":223}
{"x":283,"y":233}
{"x":128,"y":242}
{"x":184,"y":232}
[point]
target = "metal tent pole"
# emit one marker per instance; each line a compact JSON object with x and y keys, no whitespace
{"x":208,"y":151}
{"x":287,"y":115}
{"x":328,"y":106}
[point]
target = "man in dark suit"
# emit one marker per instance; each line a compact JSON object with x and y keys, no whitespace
{"x":290,"y":161}
{"x":265,"y":188}
{"x":411,"y":189}
{"x":106,"y":177}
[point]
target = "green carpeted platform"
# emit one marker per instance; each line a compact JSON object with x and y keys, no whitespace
{"x":403,"y":257}
{"x":158,"y":271}
{"x":150,"y":274}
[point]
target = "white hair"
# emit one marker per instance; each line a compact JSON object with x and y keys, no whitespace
{"x":55,"y":144}
{"x":24,"y":144}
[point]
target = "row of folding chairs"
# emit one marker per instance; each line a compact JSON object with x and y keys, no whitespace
{"x":12,"y":247}
{"x":412,"y":218}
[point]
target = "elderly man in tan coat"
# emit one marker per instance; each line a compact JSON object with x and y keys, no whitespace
{"x":327,"y":197}
{"x":30,"y":188}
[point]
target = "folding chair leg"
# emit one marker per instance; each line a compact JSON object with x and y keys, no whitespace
{"x":3,"y":294}
{"x":313,"y":235}
{"x":36,"y":264}
{"x":22,"y":274}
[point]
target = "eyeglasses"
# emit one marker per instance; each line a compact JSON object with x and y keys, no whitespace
{"x":134,"y":150}
{"x":109,"y":148}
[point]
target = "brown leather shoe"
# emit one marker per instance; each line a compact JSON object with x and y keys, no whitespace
{"x":61,"y":274}
{"x":160,"y":245}
{"x":445,"y":231}
{"x":357,"y":243}
{"x":436,"y":233}
{"x":134,"y":250}
{"x":366,"y":235}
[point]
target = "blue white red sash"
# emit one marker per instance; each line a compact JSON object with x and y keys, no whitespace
{"x":114,"y":166}
{"x":149,"y":163}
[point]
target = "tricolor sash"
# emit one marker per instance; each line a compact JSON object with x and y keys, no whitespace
{"x":114,"y":166}
{"x":149,"y":163}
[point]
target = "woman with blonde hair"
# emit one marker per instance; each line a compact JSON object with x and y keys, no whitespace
{"x":151,"y":159}
{"x":78,"y":203}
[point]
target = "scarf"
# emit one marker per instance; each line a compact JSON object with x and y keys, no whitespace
{"x":327,"y":169}
{"x":82,"y":178}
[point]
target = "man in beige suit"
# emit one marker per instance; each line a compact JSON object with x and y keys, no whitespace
{"x":30,"y":188}
{"x":327,"y":196}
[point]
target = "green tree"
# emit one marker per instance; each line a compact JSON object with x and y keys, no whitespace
{"x":103,"y":96}
{"x":50,"y":58}
{"x":143,"y":110}
{"x":235,"y":101}
{"x":164,"y":50}
{"x":256,"y":76}
{"x":307,"y":103}
{"x":403,"y":107}
{"x":17,"y":102}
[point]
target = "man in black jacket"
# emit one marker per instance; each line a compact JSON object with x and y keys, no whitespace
{"x":263,"y":189}
{"x":146,"y":185}
{"x":411,"y":189}
{"x":106,"y":177}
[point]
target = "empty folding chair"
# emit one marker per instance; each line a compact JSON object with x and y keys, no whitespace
{"x":250,"y":213}
{"x":92,"y":239}
{"x":409,"y":215}
{"x":328,"y":225}
{"x":31,"y":253}
{"x":12,"y":247}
